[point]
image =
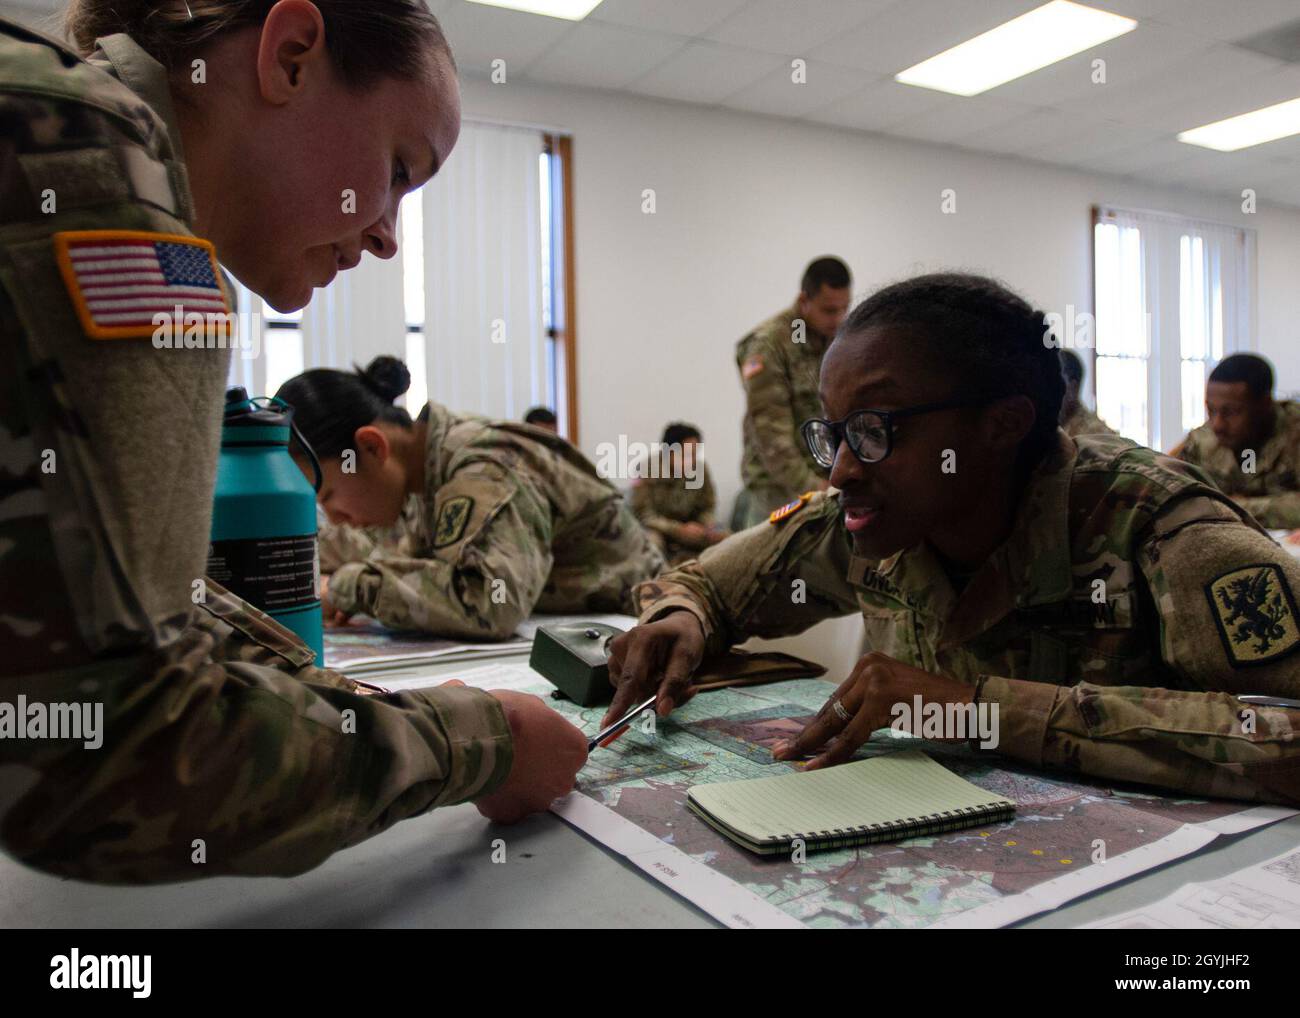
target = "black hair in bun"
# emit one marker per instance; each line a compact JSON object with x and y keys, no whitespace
{"x":330,"y":405}
{"x":387,"y":377}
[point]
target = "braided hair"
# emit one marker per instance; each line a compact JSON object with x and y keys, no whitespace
{"x":988,"y":339}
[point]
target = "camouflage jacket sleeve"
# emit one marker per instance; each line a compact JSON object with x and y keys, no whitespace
{"x":1275,"y":511}
{"x":768,"y":405}
{"x":490,"y":533}
{"x":340,"y":544}
{"x":643,"y":508}
{"x":228,"y":752}
{"x":1225,"y":599}
{"x":771,"y":580}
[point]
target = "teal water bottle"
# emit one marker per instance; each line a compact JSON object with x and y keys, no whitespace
{"x":264,"y":517}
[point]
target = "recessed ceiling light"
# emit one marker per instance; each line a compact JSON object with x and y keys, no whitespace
{"x":1037,"y":38}
{"x":571,"y":10}
{"x":1246,"y":129}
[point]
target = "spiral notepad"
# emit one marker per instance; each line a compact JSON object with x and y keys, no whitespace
{"x":886,"y":798}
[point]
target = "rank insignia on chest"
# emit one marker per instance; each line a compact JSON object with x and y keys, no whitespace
{"x":789,"y":509}
{"x":451,"y":520}
{"x":1256,"y":614}
{"x":129,"y":283}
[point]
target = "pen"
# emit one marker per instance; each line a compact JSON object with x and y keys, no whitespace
{"x":1270,"y":701}
{"x":616,"y":729}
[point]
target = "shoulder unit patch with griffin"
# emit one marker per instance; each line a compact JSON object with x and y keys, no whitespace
{"x":452,"y":518}
{"x":1255,"y":612}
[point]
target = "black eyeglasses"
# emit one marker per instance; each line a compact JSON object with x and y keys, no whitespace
{"x":869,"y":433}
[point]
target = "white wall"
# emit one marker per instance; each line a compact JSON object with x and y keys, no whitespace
{"x":744,"y":202}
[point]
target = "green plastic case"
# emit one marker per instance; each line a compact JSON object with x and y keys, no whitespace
{"x":575,"y":656}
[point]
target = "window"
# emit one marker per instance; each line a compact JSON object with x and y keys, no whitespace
{"x":278,"y":353}
{"x":483,"y":287}
{"x":476,"y":301}
{"x":282,"y":342}
{"x":411,"y":244}
{"x":1172,"y":296}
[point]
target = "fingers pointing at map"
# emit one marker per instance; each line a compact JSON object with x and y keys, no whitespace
{"x":662,"y":656}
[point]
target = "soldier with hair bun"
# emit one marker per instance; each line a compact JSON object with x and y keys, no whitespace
{"x":1107,"y":601}
{"x":511,"y":518}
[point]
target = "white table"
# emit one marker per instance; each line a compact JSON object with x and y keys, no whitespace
{"x":437,"y":871}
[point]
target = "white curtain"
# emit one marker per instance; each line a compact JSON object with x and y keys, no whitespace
{"x":485,"y":342}
{"x":1177,"y":292}
{"x":356,"y":317}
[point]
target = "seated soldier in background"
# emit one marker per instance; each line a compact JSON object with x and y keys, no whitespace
{"x":1250,"y":442}
{"x":511,"y":519}
{"x":1077,"y":419}
{"x":541,"y":417}
{"x":1101,"y":598}
{"x":676,"y":502}
{"x":778,"y":365}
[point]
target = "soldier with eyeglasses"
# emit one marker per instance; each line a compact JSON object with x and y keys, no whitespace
{"x":1124,"y":618}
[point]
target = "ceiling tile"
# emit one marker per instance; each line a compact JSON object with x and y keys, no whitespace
{"x":1226,"y":99}
{"x":680,"y":18}
{"x":1131,"y":57}
{"x":1131,"y":100}
{"x":1132,"y":160}
{"x":602,"y":56}
{"x":881,"y":104}
{"x":779,"y":26}
{"x":914,"y":30}
{"x":957,"y":117}
{"x":1027,"y":132}
{"x":778,"y":95}
{"x":1230,"y":20}
{"x":479,"y":35}
{"x":707,"y":72}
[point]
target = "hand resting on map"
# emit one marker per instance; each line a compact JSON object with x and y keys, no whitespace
{"x":662,"y":656}
{"x":867,"y":696}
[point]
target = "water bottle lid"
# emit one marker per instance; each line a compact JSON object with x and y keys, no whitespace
{"x":262,"y":412}
{"x":263,"y":420}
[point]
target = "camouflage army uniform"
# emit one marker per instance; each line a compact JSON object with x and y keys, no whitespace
{"x":780,"y":378}
{"x":514,"y":520}
{"x":219,"y":735}
{"x":1131,"y":679}
{"x":663,"y":504}
{"x":1084,"y":422}
{"x":1272,"y":492}
{"x":341,"y":543}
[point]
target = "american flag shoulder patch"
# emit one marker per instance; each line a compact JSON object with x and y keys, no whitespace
{"x":119,"y":280}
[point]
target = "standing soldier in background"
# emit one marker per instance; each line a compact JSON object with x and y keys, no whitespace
{"x":222,"y":749}
{"x":1077,"y":419}
{"x":677,"y":507}
{"x":779,"y":362}
{"x":1250,"y":442}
